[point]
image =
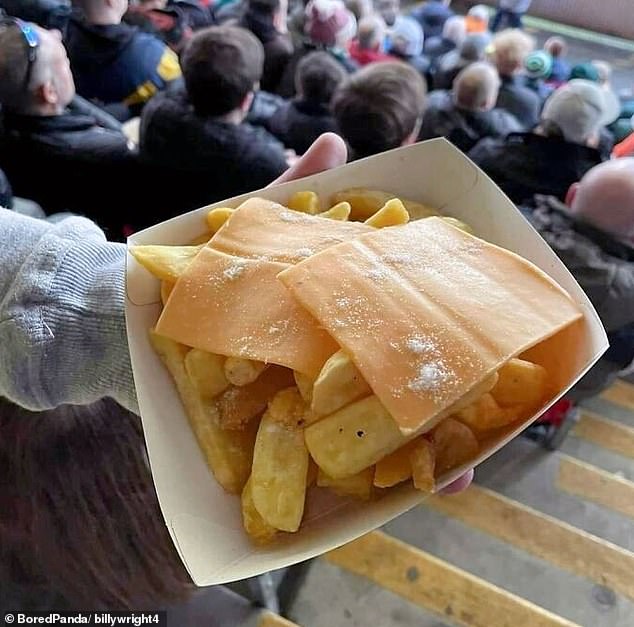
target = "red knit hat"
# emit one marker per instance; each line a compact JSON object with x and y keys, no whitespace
{"x":326,"y":20}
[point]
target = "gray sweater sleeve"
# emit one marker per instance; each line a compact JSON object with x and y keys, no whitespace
{"x":62,"y":320}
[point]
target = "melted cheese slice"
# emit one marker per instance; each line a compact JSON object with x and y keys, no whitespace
{"x":261,"y":229}
{"x":426,"y":311}
{"x":237,"y":307}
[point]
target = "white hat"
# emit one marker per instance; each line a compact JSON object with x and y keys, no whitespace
{"x":580,"y":108}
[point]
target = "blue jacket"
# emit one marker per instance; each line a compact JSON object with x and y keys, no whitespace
{"x":118,"y":64}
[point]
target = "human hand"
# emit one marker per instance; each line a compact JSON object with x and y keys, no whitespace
{"x":329,"y":151}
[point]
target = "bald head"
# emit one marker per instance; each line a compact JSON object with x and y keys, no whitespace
{"x":50,"y":86}
{"x":605,"y":198}
{"x":476,"y":87}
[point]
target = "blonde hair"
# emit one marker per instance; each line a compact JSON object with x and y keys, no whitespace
{"x":510,"y":48}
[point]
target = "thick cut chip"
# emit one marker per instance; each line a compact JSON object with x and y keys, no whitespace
{"x":459,"y":224}
{"x":228,"y":453}
{"x":305,"y":385}
{"x":288,"y":408}
{"x":338,"y":384}
{"x":206,"y":371}
{"x":486,"y":414}
{"x":395,"y":467}
{"x":238,"y":405}
{"x":278,"y":478}
{"x":166,"y":290}
{"x":392,"y":213}
{"x":359,"y":485}
{"x":305,"y":202}
{"x":165,"y":262}
{"x":340,"y":211}
{"x":255,"y":526}
{"x":366,"y":202}
{"x":217,"y":217}
{"x":520,"y":383}
{"x":262,"y":229}
{"x":241,"y":371}
{"x":232,"y":306}
{"x":454,"y":445}
{"x":426,"y":312}
{"x":423,"y":463}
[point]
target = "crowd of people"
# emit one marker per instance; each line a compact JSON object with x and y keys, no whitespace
{"x":131,"y":113}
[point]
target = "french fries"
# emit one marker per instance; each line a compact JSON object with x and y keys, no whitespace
{"x":228,"y":453}
{"x":240,"y":371}
{"x":269,"y":433}
{"x":392,"y":213}
{"x":278,"y":477}
{"x":520,"y":383}
{"x":217,"y":217}
{"x":340,"y":211}
{"x":165,"y":262}
{"x":358,"y":486}
{"x":366,"y":202}
{"x":338,"y":384}
{"x":305,"y":202}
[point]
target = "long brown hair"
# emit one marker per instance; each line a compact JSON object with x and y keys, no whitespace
{"x":80,"y":525}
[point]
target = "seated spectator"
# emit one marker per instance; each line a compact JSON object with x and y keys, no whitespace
{"x":509,"y":14}
{"x":198,"y":135}
{"x":406,"y":44}
{"x":266,"y":19}
{"x":560,"y":150}
{"x":370,"y":41}
{"x":584,"y":71}
{"x":432,"y":16}
{"x":556,"y":47}
{"x":114,"y":63}
{"x":511,"y":47}
{"x":379,"y":108}
{"x":453,"y":35}
{"x":468,"y":114}
{"x":60,"y":153}
{"x":299,"y":122}
{"x":477,"y":19}
{"x":473,"y":49}
{"x":593,"y":234}
{"x":329,"y":26}
{"x":537,"y":67}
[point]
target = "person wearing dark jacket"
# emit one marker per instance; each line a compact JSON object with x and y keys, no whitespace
{"x":559,"y":151}
{"x":473,"y":49}
{"x":299,"y":122}
{"x":266,"y":19}
{"x":60,"y":151}
{"x":453,"y":34}
{"x":593,"y":234}
{"x":467,"y":114}
{"x":432,"y":16}
{"x":114,"y":63}
{"x":198,"y":134}
{"x":510,"y":49}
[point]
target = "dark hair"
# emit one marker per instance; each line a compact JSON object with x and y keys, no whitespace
{"x":221,"y":65}
{"x":317,"y":77}
{"x":79,"y":517}
{"x":266,"y":7}
{"x":379,"y":107}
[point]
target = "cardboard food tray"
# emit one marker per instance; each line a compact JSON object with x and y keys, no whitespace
{"x":204,"y":521}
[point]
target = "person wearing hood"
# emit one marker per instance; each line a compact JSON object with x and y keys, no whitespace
{"x":266,"y":19}
{"x":473,"y":49}
{"x":558,"y":152}
{"x":592,"y":232}
{"x":467,"y":114}
{"x":432,"y":16}
{"x":115,"y":64}
{"x":328,"y":26}
{"x":198,"y":134}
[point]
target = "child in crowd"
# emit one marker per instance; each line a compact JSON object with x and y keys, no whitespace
{"x":380,"y":107}
{"x":300,"y":121}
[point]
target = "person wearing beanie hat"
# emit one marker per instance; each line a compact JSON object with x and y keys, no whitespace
{"x":473,"y":49}
{"x":328,"y":26}
{"x":561,"y":149}
{"x":537,"y":67}
{"x":586,"y":71}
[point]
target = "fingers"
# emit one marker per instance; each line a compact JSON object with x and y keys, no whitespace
{"x":460,"y":484}
{"x":328,"y":151}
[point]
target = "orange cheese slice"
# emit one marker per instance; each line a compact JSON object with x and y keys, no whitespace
{"x":262,"y":229}
{"x":427,"y":311}
{"x":237,"y":307}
